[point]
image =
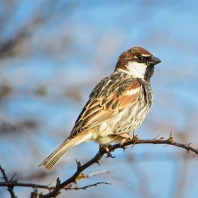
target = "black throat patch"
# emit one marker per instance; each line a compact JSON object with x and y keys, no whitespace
{"x":149,"y":72}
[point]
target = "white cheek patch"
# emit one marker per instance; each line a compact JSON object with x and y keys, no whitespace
{"x":136,"y":69}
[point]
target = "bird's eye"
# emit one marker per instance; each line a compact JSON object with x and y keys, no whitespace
{"x":140,"y":58}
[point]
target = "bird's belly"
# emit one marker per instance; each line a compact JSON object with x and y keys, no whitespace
{"x":131,"y":119}
{"x":125,"y":121}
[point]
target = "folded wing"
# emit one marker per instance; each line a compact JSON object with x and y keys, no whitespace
{"x":110,"y":96}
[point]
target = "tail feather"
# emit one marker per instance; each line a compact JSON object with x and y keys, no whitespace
{"x":52,"y":159}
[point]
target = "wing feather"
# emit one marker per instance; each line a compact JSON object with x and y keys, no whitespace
{"x":111,"y":95}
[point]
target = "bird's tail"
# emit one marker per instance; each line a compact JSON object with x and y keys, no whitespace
{"x":52,"y":159}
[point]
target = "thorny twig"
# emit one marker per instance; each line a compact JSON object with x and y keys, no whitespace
{"x":31,"y":185}
{"x":80,"y":168}
{"x":10,"y":188}
{"x":99,"y":155}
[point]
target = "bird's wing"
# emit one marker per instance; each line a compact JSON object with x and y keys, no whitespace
{"x":110,"y":96}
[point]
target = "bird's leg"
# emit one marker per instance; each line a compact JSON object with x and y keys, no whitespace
{"x":125,"y":137}
{"x":106,"y":148}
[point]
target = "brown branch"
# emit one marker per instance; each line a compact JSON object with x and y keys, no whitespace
{"x":80,"y":168}
{"x":88,"y":186}
{"x":30,"y":185}
{"x":10,"y":188}
{"x":99,"y":155}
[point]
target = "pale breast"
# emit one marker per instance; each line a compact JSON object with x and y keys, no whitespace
{"x":128,"y":120}
{"x":131,"y":118}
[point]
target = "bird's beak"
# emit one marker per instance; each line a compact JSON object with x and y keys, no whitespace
{"x":153,"y":60}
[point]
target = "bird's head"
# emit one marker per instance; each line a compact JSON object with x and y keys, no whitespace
{"x":137,"y":62}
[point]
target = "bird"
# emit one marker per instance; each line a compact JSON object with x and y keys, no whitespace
{"x":117,"y":106}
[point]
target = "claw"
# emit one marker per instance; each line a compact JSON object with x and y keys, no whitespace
{"x":110,"y":155}
{"x":124,"y":147}
{"x":106,"y":148}
{"x":126,"y":137}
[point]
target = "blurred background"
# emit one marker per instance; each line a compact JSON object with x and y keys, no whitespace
{"x":53,"y":53}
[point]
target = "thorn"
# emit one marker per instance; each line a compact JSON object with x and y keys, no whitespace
{"x":98,"y":163}
{"x":171,"y":133}
{"x":171,"y":138}
{"x":133,"y":134}
{"x":13,"y":177}
{"x":189,"y":146}
{"x":78,"y":163}
{"x":156,"y":136}
{"x":58,"y":181}
{"x":50,"y":182}
{"x":124,"y":147}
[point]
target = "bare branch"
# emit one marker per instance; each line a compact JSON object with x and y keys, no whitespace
{"x":31,"y":185}
{"x":101,"y":152}
{"x":78,"y":175}
{"x":88,"y":186}
{"x":10,"y":188}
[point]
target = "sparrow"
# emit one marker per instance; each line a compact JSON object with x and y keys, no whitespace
{"x":116,"y":107}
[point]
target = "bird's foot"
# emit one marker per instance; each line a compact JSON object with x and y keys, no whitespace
{"x":126,"y":137}
{"x":106,"y":148}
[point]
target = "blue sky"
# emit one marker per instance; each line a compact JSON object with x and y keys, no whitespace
{"x":97,"y":33}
